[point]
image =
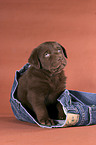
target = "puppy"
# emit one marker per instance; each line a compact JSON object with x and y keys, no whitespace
{"x":41,"y":85}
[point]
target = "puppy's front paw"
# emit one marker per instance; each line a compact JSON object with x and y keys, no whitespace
{"x":47,"y":121}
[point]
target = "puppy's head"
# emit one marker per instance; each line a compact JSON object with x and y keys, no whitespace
{"x":50,"y":56}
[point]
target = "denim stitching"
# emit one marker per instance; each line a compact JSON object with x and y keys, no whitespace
{"x":82,"y":114}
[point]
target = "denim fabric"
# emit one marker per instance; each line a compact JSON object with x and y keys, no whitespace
{"x":79,"y":107}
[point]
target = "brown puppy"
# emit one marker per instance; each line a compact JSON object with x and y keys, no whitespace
{"x":44,"y":81}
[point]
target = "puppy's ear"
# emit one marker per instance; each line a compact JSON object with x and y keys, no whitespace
{"x":34,"y":60}
{"x":64,"y":51}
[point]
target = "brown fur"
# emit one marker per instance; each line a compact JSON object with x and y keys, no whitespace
{"x":44,"y":81}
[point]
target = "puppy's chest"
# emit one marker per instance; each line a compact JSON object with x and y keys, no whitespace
{"x":57,"y":82}
{"x":57,"y":86}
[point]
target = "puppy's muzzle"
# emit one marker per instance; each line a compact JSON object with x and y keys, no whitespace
{"x":62,"y":61}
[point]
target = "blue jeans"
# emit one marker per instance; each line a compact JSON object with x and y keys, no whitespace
{"x":79,"y":107}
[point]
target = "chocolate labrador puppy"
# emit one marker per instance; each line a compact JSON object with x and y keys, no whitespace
{"x":41,"y":85}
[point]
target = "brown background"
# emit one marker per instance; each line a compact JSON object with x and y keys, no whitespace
{"x":24,"y":24}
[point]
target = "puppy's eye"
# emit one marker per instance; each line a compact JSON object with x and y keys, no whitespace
{"x":59,"y":50}
{"x":47,"y":55}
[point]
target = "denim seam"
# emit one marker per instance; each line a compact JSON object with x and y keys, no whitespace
{"x":90,"y":112}
{"x":82,"y":114}
{"x":77,"y":99}
{"x":15,"y":110}
{"x":15,"y":80}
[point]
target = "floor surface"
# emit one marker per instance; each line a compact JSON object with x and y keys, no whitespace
{"x":14,"y":132}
